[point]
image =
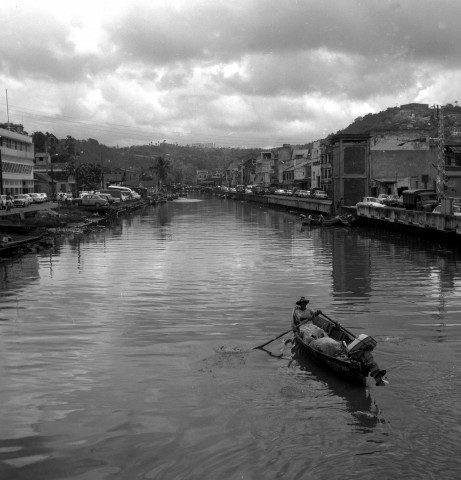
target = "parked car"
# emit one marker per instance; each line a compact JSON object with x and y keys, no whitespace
{"x":248,"y":190}
{"x":302,"y":193}
{"x":369,"y":202}
{"x":117,"y":195}
{"x":44,"y":196}
{"x":280,"y":191}
{"x":456,"y":209}
{"x":22,"y":200}
{"x":92,"y":200}
{"x":5,"y":203}
{"x":382,"y":197}
{"x":320,"y":194}
{"x":36,"y":198}
{"x":393,"y":201}
{"x":108,"y":197}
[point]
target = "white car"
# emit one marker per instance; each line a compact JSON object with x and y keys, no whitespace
{"x":37,"y":198}
{"x":320,"y":194}
{"x":369,"y":202}
{"x":44,"y":196}
{"x":456,"y":210}
{"x":382,"y":197}
{"x":22,"y":200}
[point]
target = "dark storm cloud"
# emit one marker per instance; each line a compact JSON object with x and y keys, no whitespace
{"x":422,"y":29}
{"x":281,"y":42}
{"x":231,"y":68}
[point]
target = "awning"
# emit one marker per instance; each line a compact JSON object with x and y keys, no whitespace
{"x":385,"y":180}
{"x":43,"y":177}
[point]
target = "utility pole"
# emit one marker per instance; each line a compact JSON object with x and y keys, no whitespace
{"x":441,"y":176}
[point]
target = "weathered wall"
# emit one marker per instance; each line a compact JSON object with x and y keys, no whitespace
{"x":392,"y":164}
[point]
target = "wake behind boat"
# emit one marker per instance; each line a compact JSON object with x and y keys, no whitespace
{"x":331,"y":345}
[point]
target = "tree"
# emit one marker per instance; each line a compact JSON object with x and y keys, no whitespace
{"x":162,"y":169}
{"x":88,"y":176}
{"x":45,"y":142}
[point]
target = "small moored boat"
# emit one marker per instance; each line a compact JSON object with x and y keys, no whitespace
{"x":320,"y":220}
{"x":348,"y":220}
{"x":331,"y":345}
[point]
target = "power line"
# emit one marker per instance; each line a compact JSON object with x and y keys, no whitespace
{"x":145,"y":134}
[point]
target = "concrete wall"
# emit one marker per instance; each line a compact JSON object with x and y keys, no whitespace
{"x":395,"y":164}
{"x":412,"y":218}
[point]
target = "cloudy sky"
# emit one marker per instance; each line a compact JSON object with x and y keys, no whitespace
{"x":230,"y":72}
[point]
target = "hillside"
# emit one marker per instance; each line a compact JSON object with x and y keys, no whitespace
{"x":409,"y":117}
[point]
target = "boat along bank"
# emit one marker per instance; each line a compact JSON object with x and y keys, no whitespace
{"x":425,"y":225}
{"x":33,"y":228}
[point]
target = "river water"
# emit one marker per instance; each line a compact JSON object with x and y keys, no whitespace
{"x":127,"y":354}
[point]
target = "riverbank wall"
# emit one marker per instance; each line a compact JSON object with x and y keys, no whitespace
{"x":431,"y":226}
{"x":303,"y":205}
{"x":434,"y":226}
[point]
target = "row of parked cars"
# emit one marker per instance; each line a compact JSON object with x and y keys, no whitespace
{"x":104,"y":198}
{"x":21,"y":200}
{"x":316,"y":193}
{"x":421,"y":200}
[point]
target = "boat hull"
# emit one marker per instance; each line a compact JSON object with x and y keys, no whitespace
{"x":321,"y":221}
{"x":349,"y":370}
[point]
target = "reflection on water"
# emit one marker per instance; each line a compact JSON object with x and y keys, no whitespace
{"x":128,"y":353}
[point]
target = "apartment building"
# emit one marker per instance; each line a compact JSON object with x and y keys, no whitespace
{"x":16,"y":160}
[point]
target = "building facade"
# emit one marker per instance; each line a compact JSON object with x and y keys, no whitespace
{"x":16,"y":161}
{"x":350,"y":160}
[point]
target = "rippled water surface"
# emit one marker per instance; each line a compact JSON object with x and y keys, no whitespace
{"x":128,"y":354}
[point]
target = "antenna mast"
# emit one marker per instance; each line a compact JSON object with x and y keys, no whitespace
{"x":7,"y":109}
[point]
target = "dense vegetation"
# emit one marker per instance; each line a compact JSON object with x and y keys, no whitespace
{"x":179,"y":163}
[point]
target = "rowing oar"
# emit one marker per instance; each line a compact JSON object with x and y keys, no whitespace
{"x":281,"y":335}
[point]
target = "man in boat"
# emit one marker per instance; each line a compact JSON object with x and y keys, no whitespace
{"x":361,"y":351}
{"x":302,"y":313}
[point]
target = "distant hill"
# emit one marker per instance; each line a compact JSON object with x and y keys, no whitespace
{"x":409,"y":117}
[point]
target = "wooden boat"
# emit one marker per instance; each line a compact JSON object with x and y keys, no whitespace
{"x":321,"y":220}
{"x":343,"y":365}
{"x":348,"y":220}
{"x":9,"y":247}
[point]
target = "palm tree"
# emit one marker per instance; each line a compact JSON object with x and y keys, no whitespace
{"x":162,"y":169}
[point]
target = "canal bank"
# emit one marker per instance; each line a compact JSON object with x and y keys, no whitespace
{"x":431,"y":226}
{"x":33,"y":228}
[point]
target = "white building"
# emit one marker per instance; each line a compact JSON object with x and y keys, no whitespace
{"x":16,"y":161}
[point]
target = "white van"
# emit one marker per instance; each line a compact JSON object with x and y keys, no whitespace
{"x":128,"y":190}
